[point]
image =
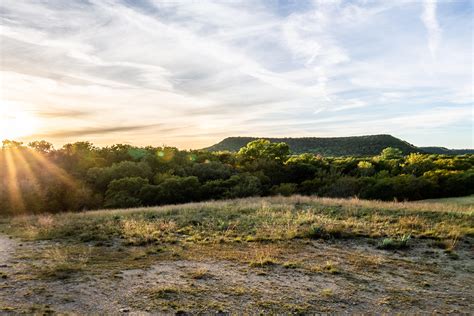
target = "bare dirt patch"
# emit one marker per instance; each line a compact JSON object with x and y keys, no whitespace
{"x":302,"y":276}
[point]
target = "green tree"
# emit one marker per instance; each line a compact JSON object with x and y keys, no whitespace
{"x":264,"y":149}
{"x":124,"y":192}
{"x":11,"y":144}
{"x":417,"y":164}
{"x":243,"y":185}
{"x":391,"y":153}
{"x":366,"y":168}
{"x":101,"y":177}
{"x":211,"y":171}
{"x":179,"y":190}
{"x":41,"y":146}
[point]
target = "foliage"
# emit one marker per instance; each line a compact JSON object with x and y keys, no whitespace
{"x":393,"y":244}
{"x":264,"y":149}
{"x":124,"y":192}
{"x":38,"y":178}
{"x":391,"y":153}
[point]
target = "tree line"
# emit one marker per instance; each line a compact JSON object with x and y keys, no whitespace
{"x":38,"y":178}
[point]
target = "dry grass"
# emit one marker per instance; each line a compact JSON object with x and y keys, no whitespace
{"x":199,"y":274}
{"x":62,"y":263}
{"x":330,"y":267}
{"x":253,"y":219}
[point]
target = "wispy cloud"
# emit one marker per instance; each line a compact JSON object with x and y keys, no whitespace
{"x":63,"y":113}
{"x":93,"y":130}
{"x":432,"y":26}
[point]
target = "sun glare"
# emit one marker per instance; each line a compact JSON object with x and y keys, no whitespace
{"x":15,"y":123}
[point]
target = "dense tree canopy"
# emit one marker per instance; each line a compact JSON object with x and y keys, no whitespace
{"x":79,"y":176}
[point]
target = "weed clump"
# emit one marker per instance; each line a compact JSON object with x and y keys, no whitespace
{"x":165,"y":292}
{"x":291,"y":265}
{"x":327,"y":292}
{"x":317,"y":232}
{"x":200,"y":274}
{"x":329,"y":267}
{"x":395,"y":244}
{"x":263,"y":262}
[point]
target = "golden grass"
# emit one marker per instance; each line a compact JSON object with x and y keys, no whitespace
{"x":253,"y":219}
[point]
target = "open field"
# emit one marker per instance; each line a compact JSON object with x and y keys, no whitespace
{"x":463,"y":200}
{"x":256,"y":255}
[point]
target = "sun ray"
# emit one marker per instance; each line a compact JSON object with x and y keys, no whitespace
{"x":13,"y":186}
{"x":53,"y":169}
{"x":20,"y":158}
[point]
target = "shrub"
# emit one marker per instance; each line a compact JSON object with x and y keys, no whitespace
{"x":211,"y":171}
{"x":179,"y":190}
{"x":243,"y":185}
{"x":393,"y":244}
{"x":101,"y":177}
{"x":285,"y":189}
{"x":124,"y":192}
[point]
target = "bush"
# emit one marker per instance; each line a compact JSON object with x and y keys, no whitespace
{"x":243,"y":185}
{"x":211,"y":171}
{"x":393,"y":244}
{"x":179,"y":190}
{"x":343,"y":187}
{"x":402,"y":187}
{"x":124,"y":192}
{"x":285,"y":189}
{"x":101,"y":177}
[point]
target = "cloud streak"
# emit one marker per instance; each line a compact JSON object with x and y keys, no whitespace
{"x":92,"y":130}
{"x":63,"y":113}
{"x":432,"y":26}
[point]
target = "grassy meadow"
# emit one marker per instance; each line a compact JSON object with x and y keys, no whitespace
{"x":463,"y":200}
{"x":278,"y":254}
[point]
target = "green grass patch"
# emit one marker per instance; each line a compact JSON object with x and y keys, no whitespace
{"x":395,"y":244}
{"x":462,"y":200}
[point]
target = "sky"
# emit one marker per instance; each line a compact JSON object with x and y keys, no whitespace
{"x":190,"y":73}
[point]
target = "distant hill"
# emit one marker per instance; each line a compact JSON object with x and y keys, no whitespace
{"x":327,"y":146}
{"x":446,"y":151}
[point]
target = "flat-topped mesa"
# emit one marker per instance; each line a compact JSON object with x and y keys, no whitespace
{"x":368,"y":145}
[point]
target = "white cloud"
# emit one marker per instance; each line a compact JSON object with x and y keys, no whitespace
{"x":432,"y":26}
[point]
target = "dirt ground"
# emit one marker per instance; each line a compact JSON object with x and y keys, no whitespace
{"x":304,"y":276}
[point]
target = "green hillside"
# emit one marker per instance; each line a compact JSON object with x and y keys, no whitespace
{"x":446,"y":151}
{"x":328,"y":146}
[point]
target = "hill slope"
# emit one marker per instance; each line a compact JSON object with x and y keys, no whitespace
{"x":446,"y":151}
{"x":328,"y":146}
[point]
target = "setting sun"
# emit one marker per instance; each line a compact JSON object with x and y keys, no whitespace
{"x":15,"y":123}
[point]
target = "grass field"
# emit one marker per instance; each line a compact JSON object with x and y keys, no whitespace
{"x":463,"y":200}
{"x":265,"y":255}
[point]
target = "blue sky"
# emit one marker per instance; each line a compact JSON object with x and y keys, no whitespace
{"x":189,"y":73}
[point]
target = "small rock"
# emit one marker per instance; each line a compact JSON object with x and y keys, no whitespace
{"x":124,"y":310}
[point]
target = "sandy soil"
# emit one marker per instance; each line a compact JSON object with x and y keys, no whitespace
{"x":366,"y":279}
{"x":7,"y":247}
